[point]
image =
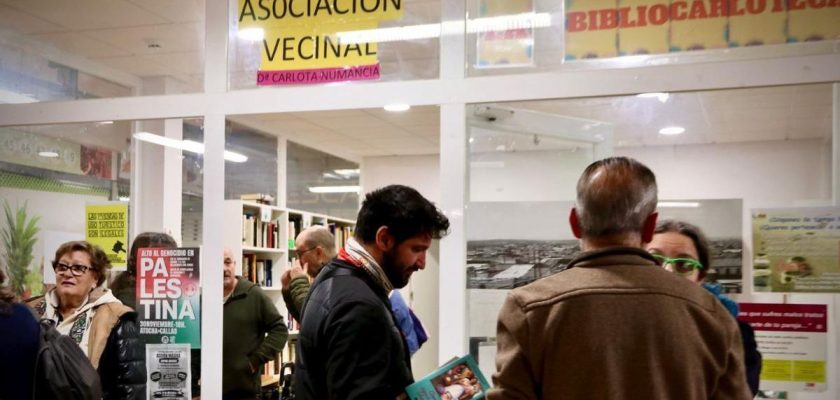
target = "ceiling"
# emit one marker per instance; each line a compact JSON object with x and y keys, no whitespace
{"x":722,"y":116}
{"x":150,"y":38}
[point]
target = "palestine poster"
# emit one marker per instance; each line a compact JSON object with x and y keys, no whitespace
{"x":168,"y":295}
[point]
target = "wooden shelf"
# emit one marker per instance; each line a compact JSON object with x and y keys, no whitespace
{"x":268,"y":380}
{"x":263,"y":250}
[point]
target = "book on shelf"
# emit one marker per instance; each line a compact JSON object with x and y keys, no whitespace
{"x":258,"y":271}
{"x":294,"y":229}
{"x":256,"y":233}
{"x":341,"y":233}
{"x":459,"y":378}
{"x":257,"y":198}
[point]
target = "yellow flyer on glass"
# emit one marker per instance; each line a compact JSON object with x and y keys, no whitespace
{"x":509,"y":44}
{"x":106,"y":225}
{"x":643,"y":27}
{"x":591,"y":29}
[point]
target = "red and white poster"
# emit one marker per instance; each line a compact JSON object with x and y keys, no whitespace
{"x":792,"y":342}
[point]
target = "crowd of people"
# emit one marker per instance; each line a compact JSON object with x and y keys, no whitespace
{"x":631,"y":316}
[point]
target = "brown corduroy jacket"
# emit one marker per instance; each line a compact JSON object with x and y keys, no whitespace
{"x":616,"y":326}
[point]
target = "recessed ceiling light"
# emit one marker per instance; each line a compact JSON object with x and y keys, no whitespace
{"x":671,"y":130}
{"x":48,"y":154}
{"x":334,"y":189}
{"x":661,"y":96}
{"x":397,"y":107}
{"x":251,"y":34}
{"x":472,"y":139}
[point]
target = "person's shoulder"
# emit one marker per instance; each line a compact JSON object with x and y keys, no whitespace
{"x":575,"y":283}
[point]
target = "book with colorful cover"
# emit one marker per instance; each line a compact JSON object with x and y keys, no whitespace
{"x":459,"y":379}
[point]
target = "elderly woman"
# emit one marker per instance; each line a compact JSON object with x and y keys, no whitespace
{"x":682,"y":248}
{"x":105,"y":329}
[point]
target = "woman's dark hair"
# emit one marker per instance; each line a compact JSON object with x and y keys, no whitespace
{"x":146,"y":240}
{"x":403,"y":210}
{"x":99,"y":262}
{"x":697,"y":237}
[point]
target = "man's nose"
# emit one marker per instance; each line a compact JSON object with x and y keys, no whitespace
{"x":421,"y":262}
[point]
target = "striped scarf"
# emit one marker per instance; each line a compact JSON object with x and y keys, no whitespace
{"x":354,"y":253}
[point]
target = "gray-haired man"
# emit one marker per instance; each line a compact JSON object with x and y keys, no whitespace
{"x":315,"y":247}
{"x":614,"y":325}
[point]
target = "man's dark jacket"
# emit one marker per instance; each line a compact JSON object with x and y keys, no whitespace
{"x":349,"y":348}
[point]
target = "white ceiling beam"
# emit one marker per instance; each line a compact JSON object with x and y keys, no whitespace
{"x":546,"y":85}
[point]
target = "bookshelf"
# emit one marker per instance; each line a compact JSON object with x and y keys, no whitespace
{"x":258,"y":243}
{"x":252,"y":242}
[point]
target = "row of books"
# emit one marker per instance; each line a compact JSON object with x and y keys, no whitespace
{"x":294,"y":228}
{"x":341,"y":233}
{"x":257,"y":271}
{"x":257,"y":233}
{"x":294,"y":325}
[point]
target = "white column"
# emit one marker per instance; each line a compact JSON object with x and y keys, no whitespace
{"x":452,"y":306}
{"x":156,"y":183}
{"x":835,"y":144}
{"x":215,"y":82}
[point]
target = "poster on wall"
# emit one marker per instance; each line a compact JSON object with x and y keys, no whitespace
{"x":168,"y":372}
{"x":308,"y":42}
{"x":106,"y":225}
{"x":168,"y":295}
{"x":32,"y":150}
{"x":510,"y":47}
{"x":796,"y":250}
{"x":606,"y":28}
{"x":792,"y":342}
{"x":511,"y":244}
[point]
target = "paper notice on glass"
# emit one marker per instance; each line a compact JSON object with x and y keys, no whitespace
{"x":168,"y":369}
{"x":792,"y":339}
{"x":796,"y":249}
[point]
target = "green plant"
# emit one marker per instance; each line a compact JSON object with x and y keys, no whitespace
{"x":19,"y":237}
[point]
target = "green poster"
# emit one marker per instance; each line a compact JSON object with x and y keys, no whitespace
{"x":796,"y":250}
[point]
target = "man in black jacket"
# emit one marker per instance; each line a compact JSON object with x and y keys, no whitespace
{"x":350,"y":347}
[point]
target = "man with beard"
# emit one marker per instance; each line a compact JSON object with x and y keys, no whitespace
{"x":350,"y":347}
{"x":254,"y":333}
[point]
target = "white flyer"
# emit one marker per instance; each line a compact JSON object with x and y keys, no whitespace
{"x":168,"y":369}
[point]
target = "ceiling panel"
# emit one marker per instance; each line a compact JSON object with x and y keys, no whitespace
{"x":78,"y":43}
{"x":187,"y":37}
{"x":87,"y":14}
{"x":174,"y":10}
{"x":24,"y":23}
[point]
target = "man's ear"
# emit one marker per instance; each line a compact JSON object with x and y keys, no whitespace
{"x":384,"y":239}
{"x":649,"y":227}
{"x":575,"y":223}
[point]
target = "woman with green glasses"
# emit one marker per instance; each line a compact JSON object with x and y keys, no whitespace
{"x":682,"y":248}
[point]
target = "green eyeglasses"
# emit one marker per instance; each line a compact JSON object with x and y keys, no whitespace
{"x":680,"y":265}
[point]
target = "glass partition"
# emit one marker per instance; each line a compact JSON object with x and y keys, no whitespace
{"x":55,"y":51}
{"x":717,"y":155}
{"x":300,"y":43}
{"x":525,"y":36}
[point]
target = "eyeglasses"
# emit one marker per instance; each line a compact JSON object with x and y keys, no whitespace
{"x":301,"y":252}
{"x":680,"y":265}
{"x":75,"y":269}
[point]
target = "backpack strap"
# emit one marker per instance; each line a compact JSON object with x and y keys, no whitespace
{"x":106,"y":318}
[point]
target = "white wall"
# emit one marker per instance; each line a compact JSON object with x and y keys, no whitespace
{"x":59,"y":212}
{"x":526,"y":176}
{"x":763,"y":174}
{"x":421,"y":173}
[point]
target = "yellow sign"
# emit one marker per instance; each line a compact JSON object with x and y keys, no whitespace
{"x":604,"y":28}
{"x":316,"y":41}
{"x":107,"y":227}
